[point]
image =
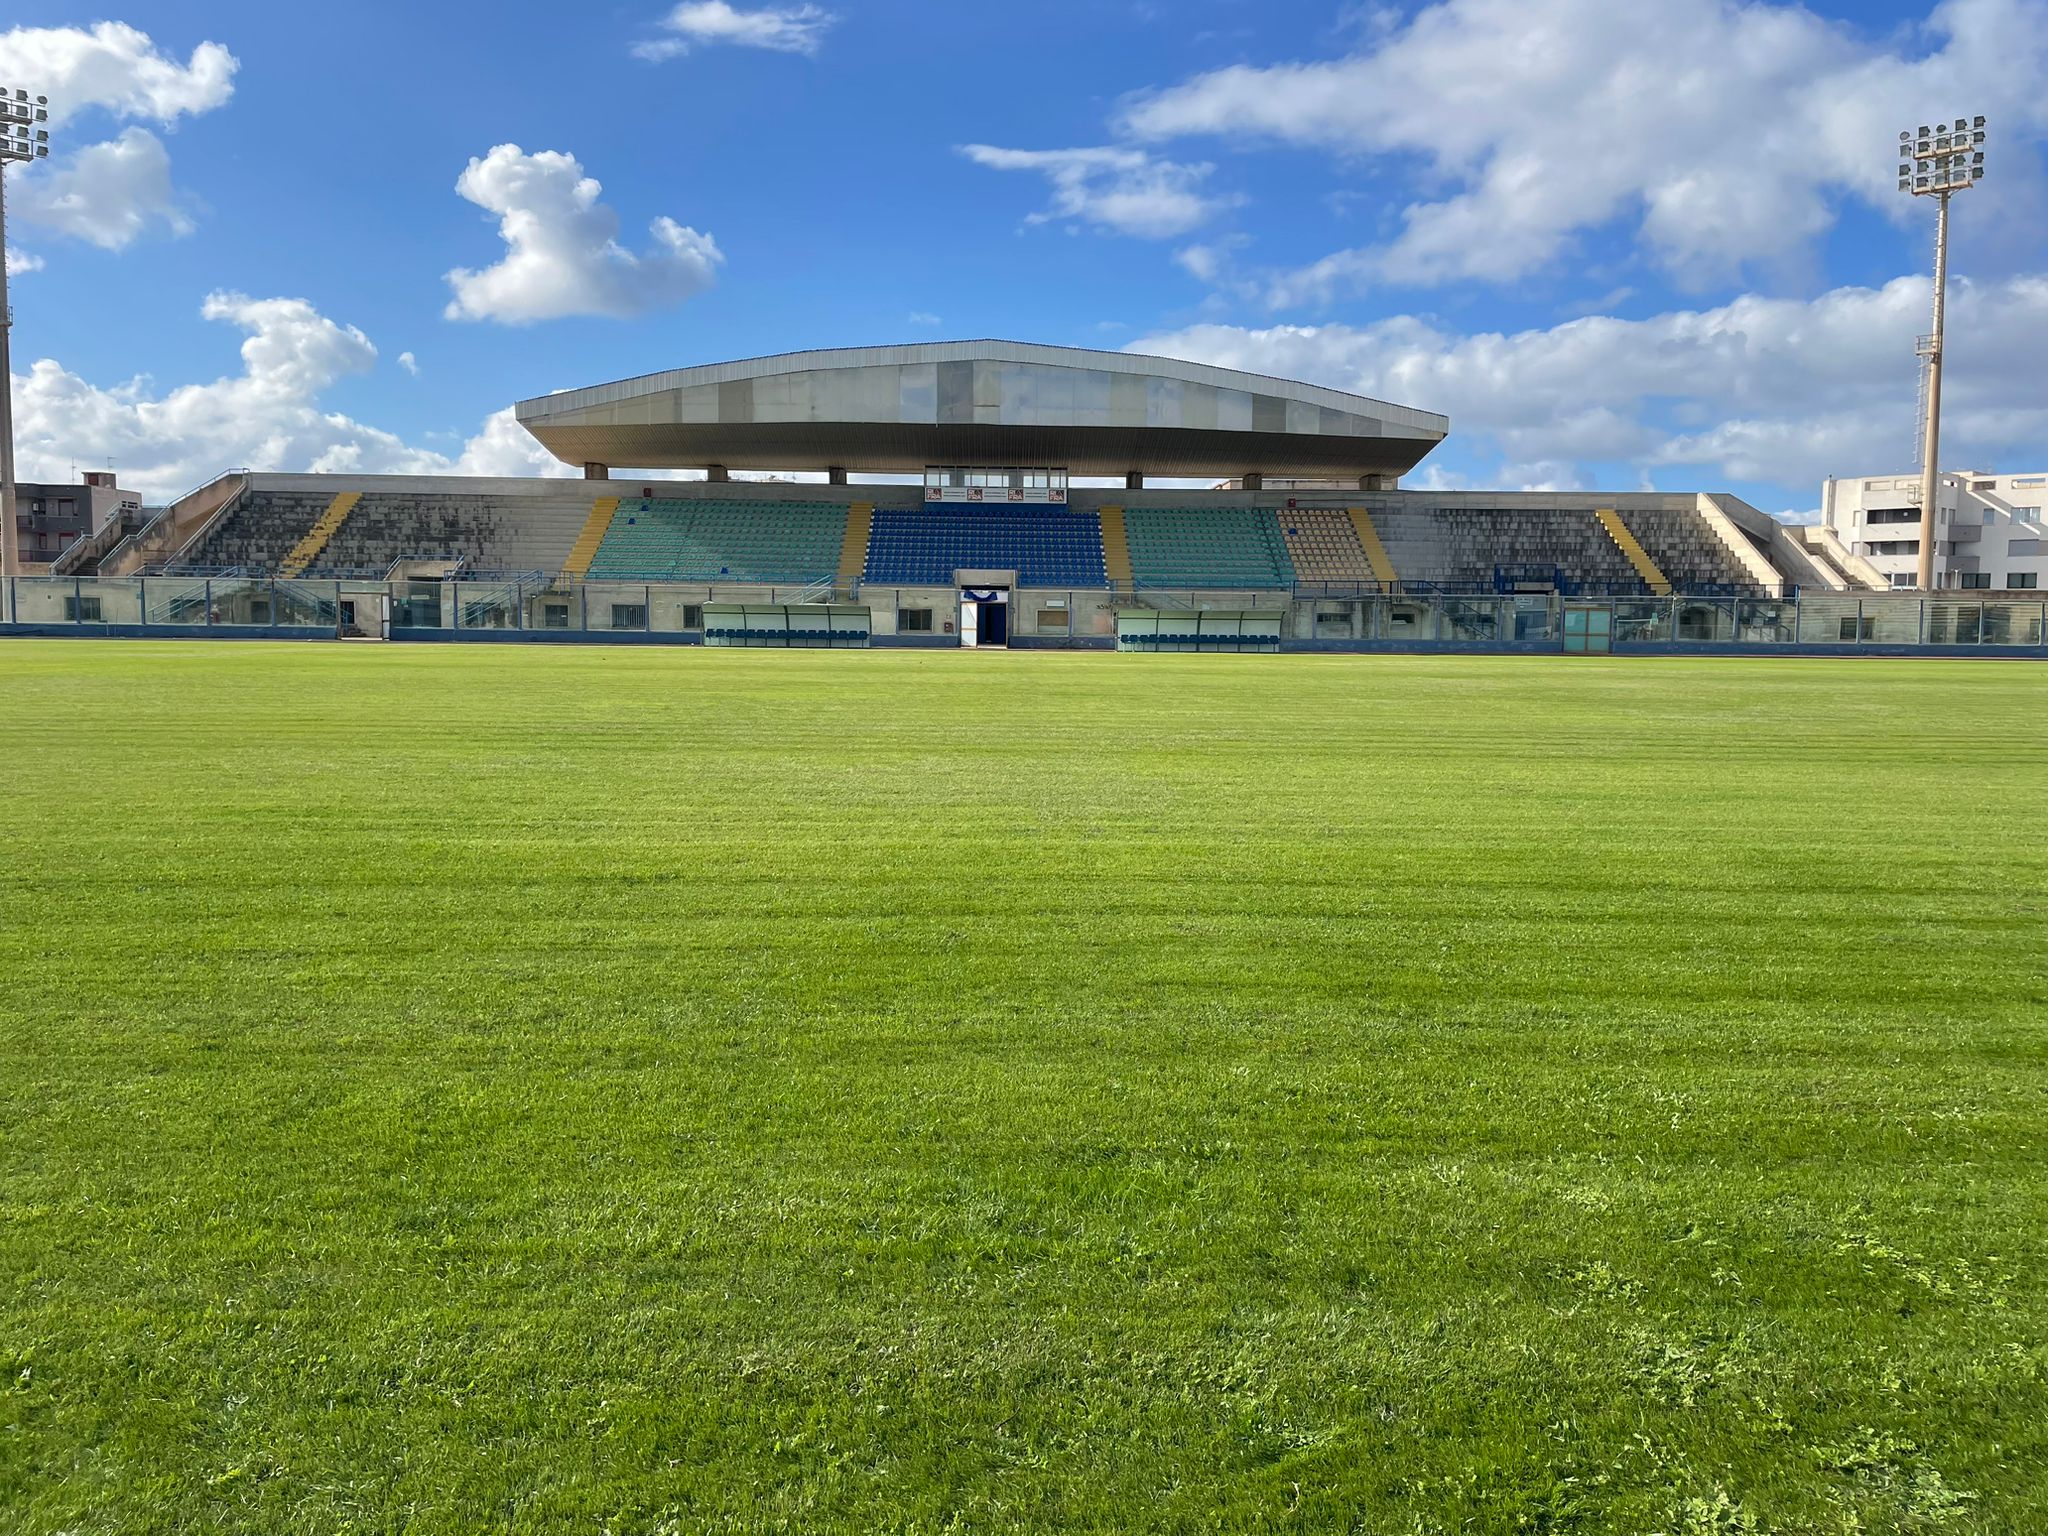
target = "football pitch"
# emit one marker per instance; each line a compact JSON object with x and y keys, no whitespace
{"x":455,"y":1089}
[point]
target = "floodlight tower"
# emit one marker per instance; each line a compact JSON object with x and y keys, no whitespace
{"x":1937,"y":163}
{"x":22,"y":139}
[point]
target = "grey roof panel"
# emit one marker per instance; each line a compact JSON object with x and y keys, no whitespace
{"x":881,"y":409}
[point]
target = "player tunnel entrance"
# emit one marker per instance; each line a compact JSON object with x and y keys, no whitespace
{"x":985,"y":617}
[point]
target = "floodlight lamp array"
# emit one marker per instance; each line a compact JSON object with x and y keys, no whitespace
{"x":1943,"y":157}
{"x":21,"y":136}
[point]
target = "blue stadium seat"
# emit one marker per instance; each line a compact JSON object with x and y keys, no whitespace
{"x":1046,"y":546}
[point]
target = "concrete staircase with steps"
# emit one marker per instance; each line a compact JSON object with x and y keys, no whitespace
{"x":584,"y":550}
{"x":853,"y":552}
{"x":1637,"y":556}
{"x":1375,"y":551}
{"x":1116,"y":548}
{"x":307,"y":550}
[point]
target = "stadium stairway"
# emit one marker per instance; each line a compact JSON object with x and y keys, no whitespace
{"x":1638,"y":557}
{"x":584,"y":550}
{"x":1375,"y":552}
{"x":1116,"y":547}
{"x":853,"y":549}
{"x":308,"y":549}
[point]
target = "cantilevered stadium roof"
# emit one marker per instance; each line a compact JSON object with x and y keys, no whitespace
{"x":883,"y":410}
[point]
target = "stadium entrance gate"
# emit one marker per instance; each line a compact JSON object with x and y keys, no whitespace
{"x":985,"y":617}
{"x":1588,"y":631}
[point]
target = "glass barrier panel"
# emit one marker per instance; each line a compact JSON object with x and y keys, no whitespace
{"x":174,"y":600}
{"x":239,"y":601}
{"x":2011,"y":623}
{"x":1536,"y":620}
{"x":1642,"y":620}
{"x":1705,"y":621}
{"x":417,"y":605}
{"x":307,"y":604}
{"x":110,"y":600}
{"x":1955,"y":623}
{"x":1765,"y":621}
{"x":45,"y":600}
{"x":1831,"y":621}
{"x":486,"y":605}
{"x":1891,"y":620}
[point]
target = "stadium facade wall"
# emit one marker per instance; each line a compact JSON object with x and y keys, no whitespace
{"x":624,"y":613}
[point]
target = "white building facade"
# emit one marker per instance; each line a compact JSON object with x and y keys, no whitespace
{"x":1989,"y":532}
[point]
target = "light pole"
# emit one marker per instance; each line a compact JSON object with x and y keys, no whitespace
{"x":1937,"y":163}
{"x":22,"y":139}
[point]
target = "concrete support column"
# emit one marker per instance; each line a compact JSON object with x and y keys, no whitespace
{"x":1255,"y":483}
{"x":597,"y":472}
{"x":1379,"y":482}
{"x":717,"y":474}
{"x":1135,"y":480}
{"x":835,"y":477}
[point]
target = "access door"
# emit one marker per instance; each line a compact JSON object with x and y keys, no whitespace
{"x":1588,"y":631}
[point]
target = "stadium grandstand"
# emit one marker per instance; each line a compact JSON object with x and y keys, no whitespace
{"x":981,"y":493}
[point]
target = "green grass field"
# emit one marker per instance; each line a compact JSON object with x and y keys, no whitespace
{"x":472,"y":1089}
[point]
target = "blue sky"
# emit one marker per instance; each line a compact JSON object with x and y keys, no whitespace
{"x":1619,"y":249}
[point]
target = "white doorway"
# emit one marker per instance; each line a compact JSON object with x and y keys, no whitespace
{"x":985,"y":618}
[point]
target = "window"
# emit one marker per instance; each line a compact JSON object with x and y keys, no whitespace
{"x":1975,"y":581}
{"x":629,"y":615}
{"x":693,"y":615}
{"x":1983,"y":485}
{"x":554,"y":615}
{"x":1879,"y":517}
{"x":82,"y":610}
{"x":1892,"y":547}
{"x":1854,"y":628}
{"x":1052,"y":621}
{"x":2021,"y":581}
{"x":1903,"y":578}
{"x":913,"y":620}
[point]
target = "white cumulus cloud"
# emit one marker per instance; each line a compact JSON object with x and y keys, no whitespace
{"x":1723,"y":132}
{"x":1780,"y":391}
{"x":1117,"y":188}
{"x":563,"y":255}
{"x":19,"y":262}
{"x":110,"y":192}
{"x":779,"y":29}
{"x":107,"y":194}
{"x":268,"y":416}
{"x":409,"y":363}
